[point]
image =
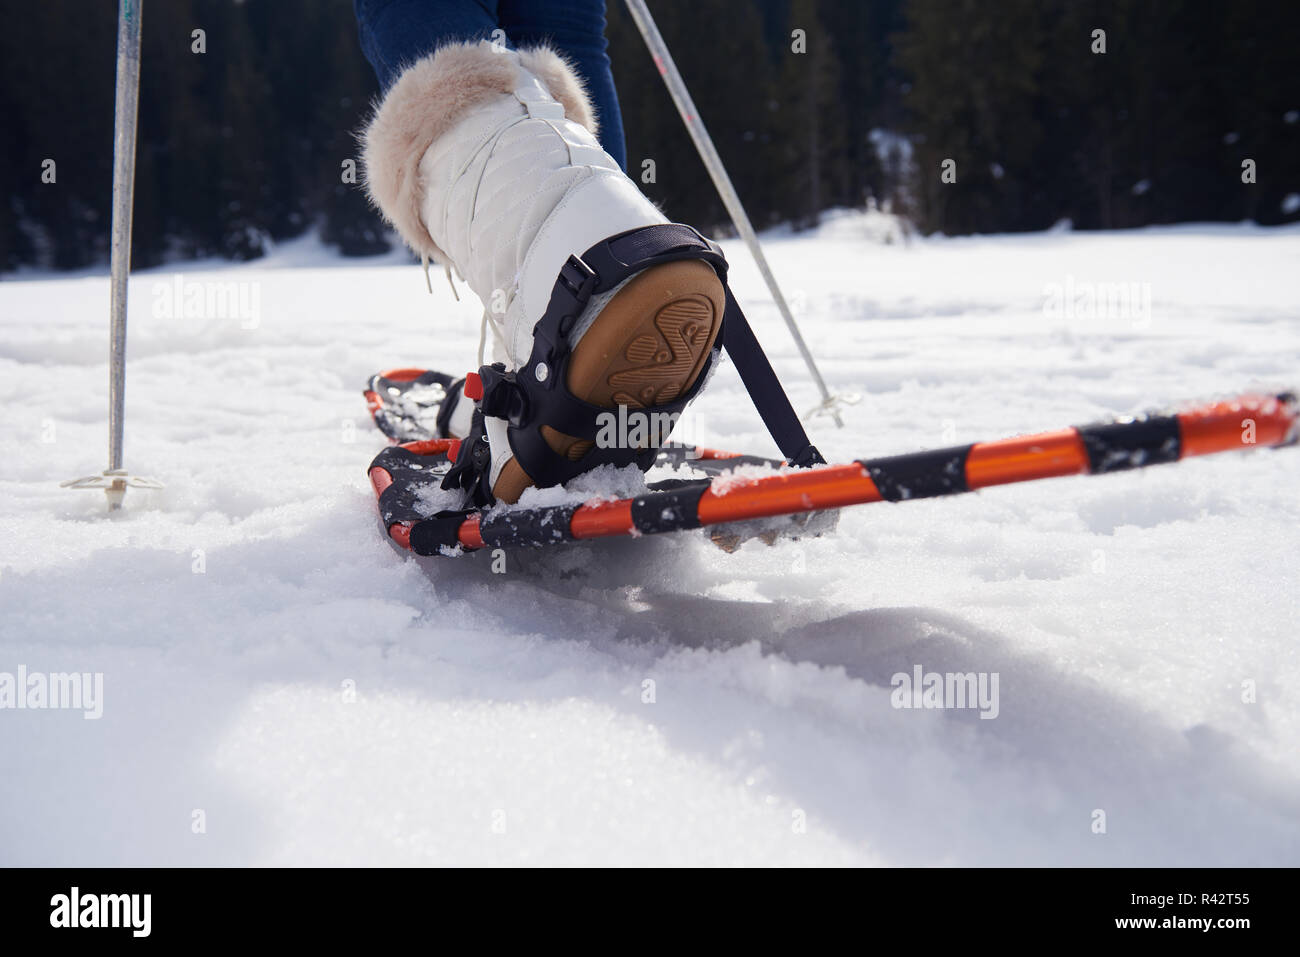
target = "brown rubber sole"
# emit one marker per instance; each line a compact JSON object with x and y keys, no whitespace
{"x":647,"y":346}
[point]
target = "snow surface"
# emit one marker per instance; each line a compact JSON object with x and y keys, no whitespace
{"x":503,"y":718}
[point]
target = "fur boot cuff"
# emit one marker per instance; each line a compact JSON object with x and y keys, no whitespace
{"x":428,"y":99}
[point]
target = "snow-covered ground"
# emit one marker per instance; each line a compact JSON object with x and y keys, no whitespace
{"x":281,"y":686}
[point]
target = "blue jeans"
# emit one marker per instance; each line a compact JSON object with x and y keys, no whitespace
{"x":397,"y":32}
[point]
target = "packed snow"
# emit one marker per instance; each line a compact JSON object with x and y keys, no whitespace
{"x":282,"y":686}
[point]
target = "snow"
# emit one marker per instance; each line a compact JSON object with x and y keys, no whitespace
{"x":605,"y":482}
{"x":281,"y":686}
{"x":743,"y":476}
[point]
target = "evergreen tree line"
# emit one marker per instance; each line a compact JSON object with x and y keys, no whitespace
{"x":964,"y":116}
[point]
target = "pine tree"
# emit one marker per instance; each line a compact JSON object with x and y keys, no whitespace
{"x":720,"y":51}
{"x":808,"y":126}
{"x":246,"y":117}
{"x":973,"y":81}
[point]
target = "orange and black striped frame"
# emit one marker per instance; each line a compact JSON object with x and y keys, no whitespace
{"x":1244,"y":422}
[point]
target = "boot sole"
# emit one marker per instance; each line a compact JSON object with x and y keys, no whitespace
{"x":646,"y":348}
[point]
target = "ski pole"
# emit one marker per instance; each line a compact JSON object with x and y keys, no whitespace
{"x":115,"y":480}
{"x":1243,"y":422}
{"x":124,"y":129}
{"x":722,"y":182}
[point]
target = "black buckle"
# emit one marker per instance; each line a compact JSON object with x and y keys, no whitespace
{"x":578,"y":278}
{"x":502,"y":396}
{"x":473,"y":464}
{"x":569,"y":296}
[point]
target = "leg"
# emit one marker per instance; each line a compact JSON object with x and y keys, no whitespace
{"x":576,"y":28}
{"x":484,"y":158}
{"x":395,"y":33}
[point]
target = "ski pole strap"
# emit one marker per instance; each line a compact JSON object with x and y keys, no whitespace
{"x":765,"y":389}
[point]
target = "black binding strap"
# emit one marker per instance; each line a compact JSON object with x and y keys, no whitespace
{"x":536,"y":394}
{"x":764,"y":388}
{"x":438,"y":534}
{"x":473,"y":463}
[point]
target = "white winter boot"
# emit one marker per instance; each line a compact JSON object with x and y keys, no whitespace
{"x":484,"y":159}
